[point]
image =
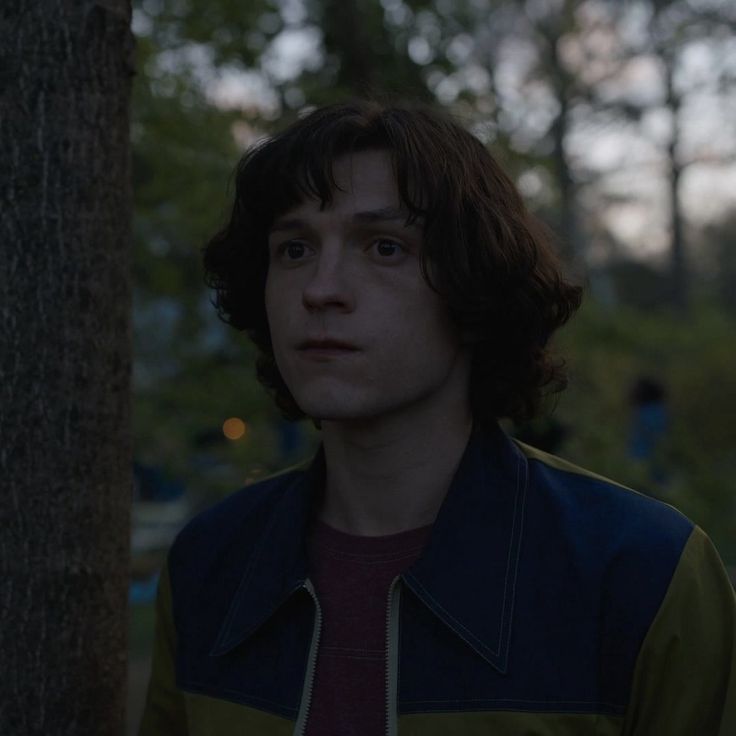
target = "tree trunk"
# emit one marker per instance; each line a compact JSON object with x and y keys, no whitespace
{"x":561,"y":83}
{"x":65,"y":357}
{"x":368,"y":62}
{"x":679,"y":274}
{"x":565,"y":183}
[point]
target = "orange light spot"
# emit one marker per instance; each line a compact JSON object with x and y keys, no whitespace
{"x":233,"y":428}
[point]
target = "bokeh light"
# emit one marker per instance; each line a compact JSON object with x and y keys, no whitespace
{"x":234,"y":428}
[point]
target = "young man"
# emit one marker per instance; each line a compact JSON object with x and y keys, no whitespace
{"x":423,"y":573}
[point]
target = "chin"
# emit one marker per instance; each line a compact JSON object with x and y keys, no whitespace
{"x":330,"y":405}
{"x":329,"y":412}
{"x":335,"y":415}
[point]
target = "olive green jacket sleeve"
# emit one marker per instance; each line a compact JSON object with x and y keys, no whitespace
{"x":164,"y":713}
{"x":685,"y":677}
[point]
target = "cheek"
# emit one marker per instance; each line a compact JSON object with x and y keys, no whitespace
{"x":274,"y":310}
{"x":429,"y":323}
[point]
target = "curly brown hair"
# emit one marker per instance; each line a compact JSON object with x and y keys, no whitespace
{"x":484,"y":254}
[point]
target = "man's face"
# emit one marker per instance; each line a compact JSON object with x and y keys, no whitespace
{"x":352,"y":273}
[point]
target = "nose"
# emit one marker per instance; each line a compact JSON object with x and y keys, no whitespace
{"x":328,"y":284}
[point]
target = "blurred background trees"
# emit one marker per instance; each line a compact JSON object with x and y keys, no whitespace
{"x":617,"y":120}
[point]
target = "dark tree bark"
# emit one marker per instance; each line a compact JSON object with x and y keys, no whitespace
{"x":679,"y":270}
{"x":343,"y":21}
{"x":549,"y":31}
{"x":569,"y":229}
{"x":65,"y":358}
{"x":368,"y":62}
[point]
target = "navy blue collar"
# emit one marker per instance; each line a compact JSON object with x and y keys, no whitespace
{"x":466,"y":574}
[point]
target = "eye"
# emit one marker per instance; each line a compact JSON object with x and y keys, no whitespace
{"x":384,"y":244}
{"x":291,"y":247}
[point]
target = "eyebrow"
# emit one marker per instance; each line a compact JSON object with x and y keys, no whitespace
{"x":384,"y":214}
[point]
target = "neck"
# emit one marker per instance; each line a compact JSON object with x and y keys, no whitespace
{"x":388,"y":475}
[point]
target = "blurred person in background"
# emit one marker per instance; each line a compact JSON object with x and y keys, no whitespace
{"x":650,"y":422}
{"x":424,"y":572}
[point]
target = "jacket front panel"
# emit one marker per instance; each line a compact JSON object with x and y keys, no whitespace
{"x":578,"y":611}
{"x":509,"y":723}
{"x":267,"y":672}
{"x":215,"y":716}
{"x":567,"y":575}
{"x":242,"y":617}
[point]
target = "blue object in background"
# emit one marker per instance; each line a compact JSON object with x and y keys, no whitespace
{"x":649,"y":426}
{"x":152,"y":485}
{"x":143,"y":591}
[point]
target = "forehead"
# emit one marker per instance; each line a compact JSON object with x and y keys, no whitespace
{"x":364,"y":181}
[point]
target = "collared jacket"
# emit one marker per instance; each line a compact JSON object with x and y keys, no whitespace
{"x":548,"y":601}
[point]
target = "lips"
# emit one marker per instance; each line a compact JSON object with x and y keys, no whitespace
{"x":326,"y":344}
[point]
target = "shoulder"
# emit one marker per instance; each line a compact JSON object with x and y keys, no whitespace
{"x":608,"y":554}
{"x":231,"y":527}
{"x":601,"y":509}
{"x":693,"y":633}
{"x":602,"y":542}
{"x":643,"y":587}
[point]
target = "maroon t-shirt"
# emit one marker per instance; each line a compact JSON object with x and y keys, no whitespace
{"x":351,"y":576}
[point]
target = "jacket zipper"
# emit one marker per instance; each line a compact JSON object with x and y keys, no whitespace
{"x":392,"y":655}
{"x":301,"y":721}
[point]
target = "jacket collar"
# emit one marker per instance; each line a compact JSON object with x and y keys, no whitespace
{"x":480,"y":522}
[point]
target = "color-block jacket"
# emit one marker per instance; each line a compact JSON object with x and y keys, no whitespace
{"x":547,"y":602}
